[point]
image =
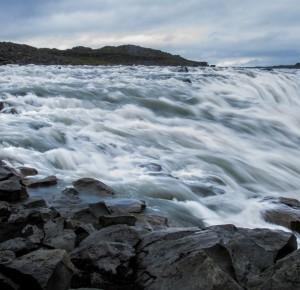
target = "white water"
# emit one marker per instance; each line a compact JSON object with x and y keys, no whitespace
{"x":234,"y":132}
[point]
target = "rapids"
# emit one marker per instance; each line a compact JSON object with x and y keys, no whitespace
{"x":209,"y":151}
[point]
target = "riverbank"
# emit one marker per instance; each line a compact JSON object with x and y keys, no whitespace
{"x":123,"y":244}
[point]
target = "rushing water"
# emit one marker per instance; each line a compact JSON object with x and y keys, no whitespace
{"x":209,"y":150}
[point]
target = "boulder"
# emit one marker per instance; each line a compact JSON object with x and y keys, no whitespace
{"x":93,"y":186}
{"x":27,"y":171}
{"x":286,"y":213}
{"x":47,"y":181}
{"x":20,"y":246}
{"x":57,"y":236}
{"x":125,"y":206}
{"x":109,"y":252}
{"x":41,"y":270}
{"x":34,"y":203}
{"x":107,"y":220}
{"x":220,"y":257}
{"x":12,"y":189}
{"x":284,"y":275}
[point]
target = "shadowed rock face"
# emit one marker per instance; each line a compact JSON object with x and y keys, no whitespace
{"x":11,"y":53}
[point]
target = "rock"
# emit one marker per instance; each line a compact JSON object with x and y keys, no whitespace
{"x":108,"y":251}
{"x":5,"y":211}
{"x":70,"y":191}
{"x":153,"y":167}
{"x":81,"y":230}
{"x":41,"y":270}
{"x":33,"y":234}
{"x":27,"y":171}
{"x":184,"y":259}
{"x":47,"y":181}
{"x":254,"y":250}
{"x":215,"y":258}
{"x":125,"y":206}
{"x":57,"y":236}
{"x":203,"y":190}
{"x":93,"y":186}
{"x":286,"y":213}
{"x":12,"y":189}
{"x":20,"y":246}
{"x":35,"y":203}
{"x":187,"y":81}
{"x":1,"y":106}
{"x":106,"y":220}
{"x":7,"y":284}
{"x":284,"y":275}
{"x":6,"y":257}
{"x":152,"y":221}
{"x":183,"y":69}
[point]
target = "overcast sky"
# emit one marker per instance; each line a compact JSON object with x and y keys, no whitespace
{"x":224,"y":32}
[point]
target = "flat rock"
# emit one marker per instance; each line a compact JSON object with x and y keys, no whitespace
{"x":47,"y":181}
{"x":125,"y":206}
{"x":41,"y":270}
{"x":93,"y":186}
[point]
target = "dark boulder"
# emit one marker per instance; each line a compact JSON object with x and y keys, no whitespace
{"x":27,"y":171}
{"x":125,"y":206}
{"x":221,"y":257}
{"x":284,"y":275}
{"x":285,"y":212}
{"x":93,"y":186}
{"x":12,"y":189}
{"x":47,"y":181}
{"x":41,"y":270}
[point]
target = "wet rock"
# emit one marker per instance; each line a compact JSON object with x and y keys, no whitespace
{"x":106,"y":220}
{"x":286,"y":213}
{"x":12,"y":189}
{"x":254,"y":250}
{"x":284,"y":275}
{"x":47,"y":181}
{"x":92,"y":186}
{"x":152,"y":222}
{"x":70,"y":191}
{"x":108,"y":251}
{"x":153,"y":167}
{"x":203,"y":190}
{"x":183,"y":69}
{"x":187,"y":81}
{"x":214,"y":258}
{"x":41,"y":270}
{"x":81,"y":230}
{"x":35,"y":203}
{"x":27,"y":171}
{"x":125,"y":206}
{"x":184,"y":259}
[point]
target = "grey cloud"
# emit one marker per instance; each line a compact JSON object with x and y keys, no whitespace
{"x":263,"y":32}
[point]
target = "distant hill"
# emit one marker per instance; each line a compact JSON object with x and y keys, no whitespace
{"x":297,"y":65}
{"x":12,"y":53}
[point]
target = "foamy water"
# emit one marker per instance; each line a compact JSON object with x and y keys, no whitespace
{"x":208,"y":151}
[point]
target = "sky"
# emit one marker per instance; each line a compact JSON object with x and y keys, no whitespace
{"x":222,"y":32}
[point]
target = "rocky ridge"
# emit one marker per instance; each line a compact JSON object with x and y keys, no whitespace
{"x":121,"y":244}
{"x":12,"y":53}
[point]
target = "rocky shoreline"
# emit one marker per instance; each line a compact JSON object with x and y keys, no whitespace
{"x":122,"y":244}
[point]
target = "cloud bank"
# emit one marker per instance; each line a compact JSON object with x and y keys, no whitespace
{"x":224,"y":32}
